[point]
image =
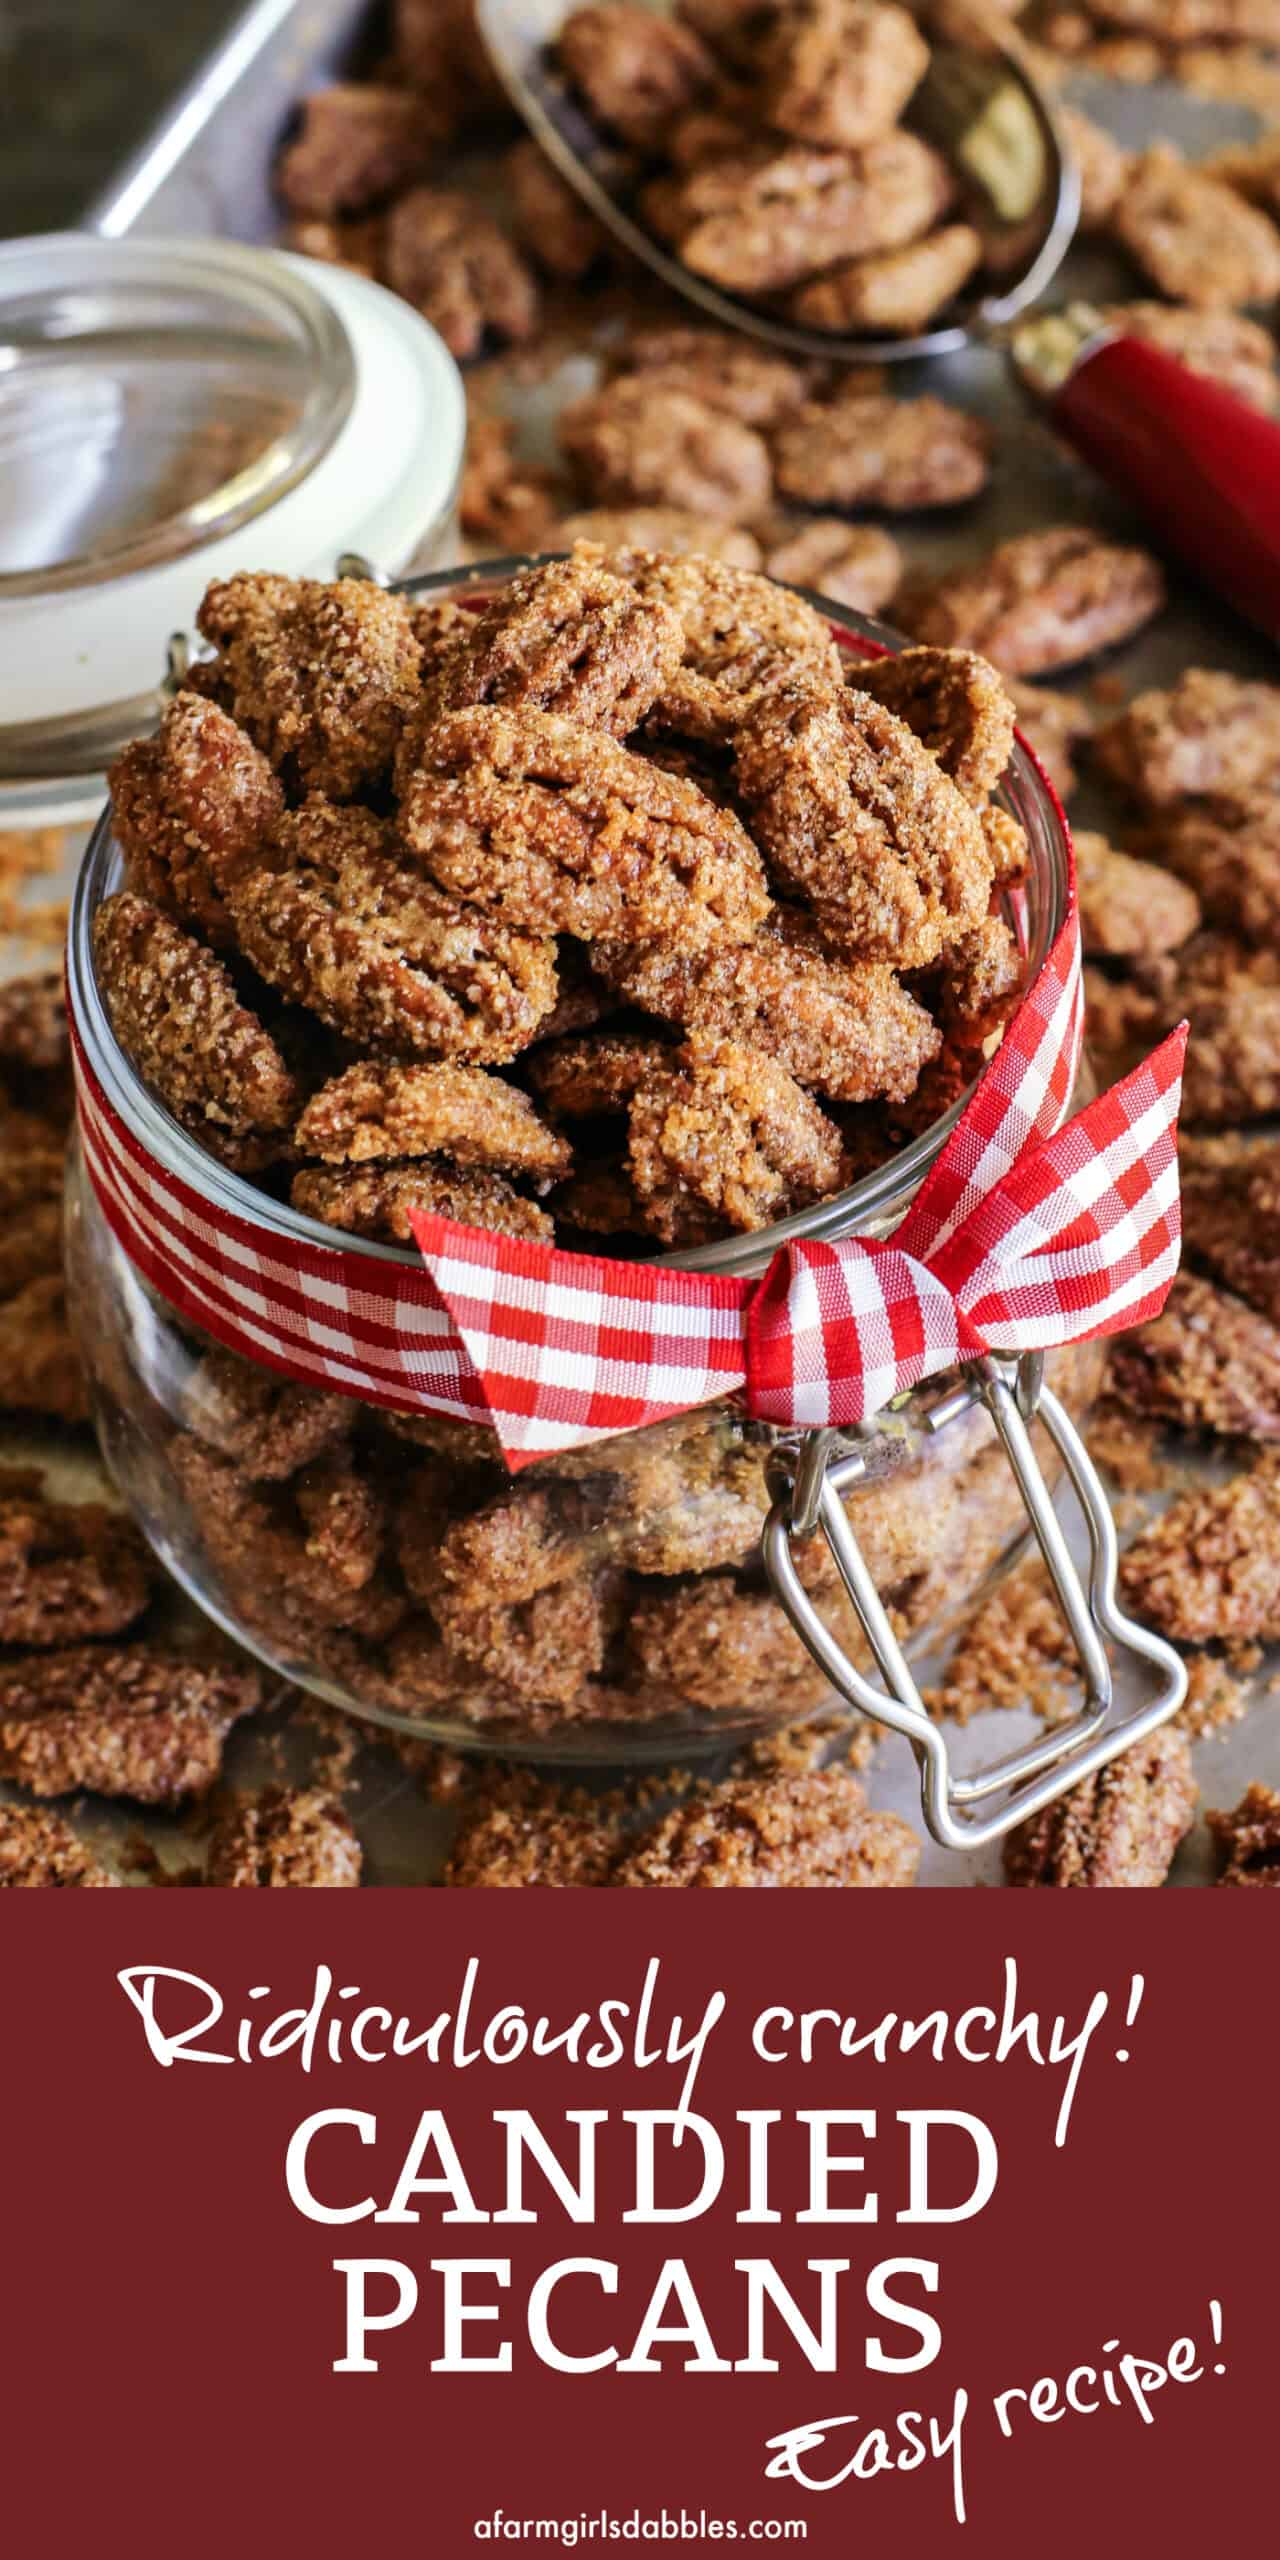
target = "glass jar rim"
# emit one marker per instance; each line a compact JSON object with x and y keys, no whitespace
{"x":872,"y":1205}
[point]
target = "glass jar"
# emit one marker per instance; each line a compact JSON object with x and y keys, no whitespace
{"x":665,"y":1590}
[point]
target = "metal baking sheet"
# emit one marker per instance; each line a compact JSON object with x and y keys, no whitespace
{"x":206,"y":169}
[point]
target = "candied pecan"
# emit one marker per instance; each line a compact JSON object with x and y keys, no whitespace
{"x":552,"y":223}
{"x":192,"y":808}
{"x":715,"y":1646}
{"x":634,"y":69}
{"x":283,"y":1836}
{"x":687,"y":1496}
{"x":1043,"y":600}
{"x":839,"y":71}
{"x":439,"y":627}
{"x":381,"y":953}
{"x":714,"y":365}
{"x":33,"y":1023}
{"x":447,"y":257}
{"x":1228,"y":853}
{"x":123,"y":1720}
{"x":896,"y":293}
{"x":1247,"y":1839}
{"x":254,"y":1539}
{"x":1120,"y":1827}
{"x":1006,"y":843}
{"x":732,"y":1128}
{"x":439,"y":51}
{"x":869,"y":450}
{"x":1195,"y":238}
{"x":953,"y":701}
{"x":375,"y":1200}
{"x":66,"y":1569}
{"x":175,"y":1011}
{"x":31,"y":1245}
{"x":268,"y":1426}
{"x":1053,"y":725}
{"x":357,"y":145}
{"x":981,"y":982}
{"x":600,"y":1072}
{"x":344,"y":1514}
{"x":522,"y":1543}
{"x":322,"y":674}
{"x":525,"y":1843}
{"x":1102,"y":165}
{"x":857,"y":564}
{"x":570,"y":638}
{"x":1210,"y":733}
{"x":1124,"y":1019}
{"x":742,"y":635}
{"x":1130,"y":909}
{"x":1210,"y":1565}
{"x":1231,"y":1216}
{"x":1232,"y":997}
{"x":637,"y":441}
{"x":40,"y":1369}
{"x":809,"y":1827}
{"x":1239,"y":354}
{"x":847,"y":1029}
{"x":374,"y":1110}
{"x":560,"y":831}
{"x":773,"y":217}
{"x":1208,"y":1363}
{"x":504,"y":502}
{"x":857,"y":817}
{"x":39,"y":1849}
{"x":543,"y":1650}
{"x":624,"y":532}
{"x":602,"y":1200}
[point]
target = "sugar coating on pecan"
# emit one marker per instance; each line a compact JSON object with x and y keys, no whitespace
{"x":267,"y":1425}
{"x":1207,"y":1363}
{"x":570,"y":638}
{"x":634,"y":69}
{"x":1210,"y":1565}
{"x":375,"y":1200}
{"x":175,"y":1011}
{"x":448,"y":258}
{"x":1247,"y":1839}
{"x":847,"y":1029}
{"x":192,"y":808}
{"x":553,"y":225}
{"x":728,"y":372}
{"x":1041,"y":601}
{"x":954,"y":701}
{"x":1227,"y":348}
{"x":123,"y":1720}
{"x":812,"y":1827}
{"x":507,"y":1845}
{"x":1130,"y":909}
{"x":981,"y":981}
{"x":641,"y":441}
{"x":772,"y":217}
{"x":1120,"y":1827}
{"x":33,"y":1023}
{"x":376,"y":1109}
{"x":38,"y":1848}
{"x":857,"y":817}
{"x":1227,"y":852}
{"x":855,"y":564}
{"x":350,"y":929}
{"x":895,"y":294}
{"x":283,"y":1836}
{"x":256,"y":1542}
{"x":623,"y":532}
{"x":870,"y":450}
{"x":559,"y":830}
{"x":321,"y":675}
{"x":1210,"y":733}
{"x":579,"y":1078}
{"x":67,"y":1570}
{"x":1231,"y":1216}
{"x":1195,"y":239}
{"x":357,"y":144}
{"x":1053,"y":725}
{"x":840,"y":71}
{"x":742,"y":636}
{"x":723,"y":1649}
{"x":345,"y":1517}
{"x":731,"y":1128}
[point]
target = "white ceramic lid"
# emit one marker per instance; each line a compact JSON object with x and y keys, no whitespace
{"x":172,"y":411}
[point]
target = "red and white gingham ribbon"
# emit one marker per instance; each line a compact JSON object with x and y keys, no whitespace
{"x":1026,"y":1233}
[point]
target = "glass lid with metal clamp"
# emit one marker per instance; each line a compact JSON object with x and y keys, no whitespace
{"x":171,"y":411}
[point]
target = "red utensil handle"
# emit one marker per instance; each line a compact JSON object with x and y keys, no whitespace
{"x":1199,"y":464}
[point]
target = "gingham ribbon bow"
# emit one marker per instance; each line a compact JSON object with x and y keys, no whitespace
{"x":1025,"y":1234}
